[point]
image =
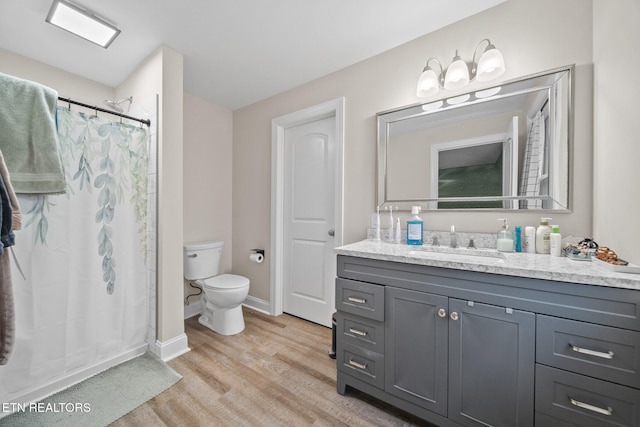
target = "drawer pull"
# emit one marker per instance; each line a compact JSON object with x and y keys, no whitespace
{"x":608,"y":355}
{"x":357,"y":300}
{"x":357,"y":332}
{"x":592,"y":408}
{"x":357,"y":365}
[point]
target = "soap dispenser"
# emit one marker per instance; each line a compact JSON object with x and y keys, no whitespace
{"x":543,"y":243}
{"x":506,"y":240}
{"x":415,"y":227}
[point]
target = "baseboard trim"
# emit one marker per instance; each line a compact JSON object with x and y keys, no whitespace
{"x":258,"y":305}
{"x":167,"y":350}
{"x":40,"y":392}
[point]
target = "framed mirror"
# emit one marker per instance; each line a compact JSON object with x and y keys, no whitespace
{"x":505,"y":147}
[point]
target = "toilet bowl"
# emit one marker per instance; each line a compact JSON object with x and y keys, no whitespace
{"x":223,"y":294}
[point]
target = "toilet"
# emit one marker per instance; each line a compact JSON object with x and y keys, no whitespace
{"x":223,"y":294}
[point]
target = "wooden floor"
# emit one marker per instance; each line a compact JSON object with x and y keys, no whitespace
{"x":275,"y":373}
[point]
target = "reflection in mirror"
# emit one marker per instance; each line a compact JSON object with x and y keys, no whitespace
{"x":505,"y":147}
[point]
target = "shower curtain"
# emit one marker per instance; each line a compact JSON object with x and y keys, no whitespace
{"x":84,"y":296}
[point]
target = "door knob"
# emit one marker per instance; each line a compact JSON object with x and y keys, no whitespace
{"x":442,"y":312}
{"x":332,"y":232}
{"x":454,"y":316}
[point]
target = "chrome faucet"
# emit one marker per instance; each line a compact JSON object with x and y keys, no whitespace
{"x":454,"y":239}
{"x":472,"y":244}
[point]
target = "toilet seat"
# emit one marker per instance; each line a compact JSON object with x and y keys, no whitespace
{"x":225,"y":282}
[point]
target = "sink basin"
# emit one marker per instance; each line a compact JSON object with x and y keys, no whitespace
{"x":460,"y":254}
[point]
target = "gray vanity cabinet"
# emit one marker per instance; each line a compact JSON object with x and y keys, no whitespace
{"x":491,"y":364}
{"x":470,"y":362}
{"x":416,"y":350}
{"x":463,"y":348}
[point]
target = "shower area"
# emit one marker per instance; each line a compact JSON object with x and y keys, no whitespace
{"x":84,"y":276}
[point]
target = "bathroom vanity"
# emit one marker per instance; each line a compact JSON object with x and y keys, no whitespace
{"x":470,"y":339}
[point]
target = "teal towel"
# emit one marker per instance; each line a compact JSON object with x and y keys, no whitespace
{"x":28,"y":136}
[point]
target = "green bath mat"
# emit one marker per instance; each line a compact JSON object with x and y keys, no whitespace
{"x":101,"y":399}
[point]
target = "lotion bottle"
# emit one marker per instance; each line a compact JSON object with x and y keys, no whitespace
{"x":530,"y":239}
{"x":555,"y":241}
{"x":543,"y":244}
{"x":505,"y":242}
{"x":415,"y":227}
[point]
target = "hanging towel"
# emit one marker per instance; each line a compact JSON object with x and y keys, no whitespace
{"x":7,"y":237}
{"x":28,"y":136}
{"x":16,"y":215}
{"x":7,"y":316}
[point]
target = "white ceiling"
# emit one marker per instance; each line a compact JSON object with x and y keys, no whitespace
{"x":236,"y":52}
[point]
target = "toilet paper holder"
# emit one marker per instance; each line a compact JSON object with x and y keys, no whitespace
{"x":258,"y":251}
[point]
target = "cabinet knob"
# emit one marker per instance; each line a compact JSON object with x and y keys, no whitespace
{"x":454,"y":316}
{"x":442,"y":312}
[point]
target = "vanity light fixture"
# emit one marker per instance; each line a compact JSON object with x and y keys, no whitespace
{"x":490,"y":66}
{"x":82,"y":23}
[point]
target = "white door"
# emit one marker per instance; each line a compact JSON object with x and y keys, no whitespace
{"x":309,"y":197}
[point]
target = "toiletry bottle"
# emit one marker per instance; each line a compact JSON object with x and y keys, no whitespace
{"x":530,"y":239}
{"x":555,"y":241}
{"x":518,"y":238}
{"x":542,"y":236}
{"x":398,"y":231}
{"x":505,"y":242}
{"x":415,"y":227}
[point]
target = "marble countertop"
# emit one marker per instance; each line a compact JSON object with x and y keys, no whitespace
{"x":536,"y":266}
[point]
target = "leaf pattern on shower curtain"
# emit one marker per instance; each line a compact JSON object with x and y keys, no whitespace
{"x":111,"y":157}
{"x":39,"y":218}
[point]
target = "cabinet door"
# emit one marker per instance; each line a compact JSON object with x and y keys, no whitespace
{"x":416,"y":348}
{"x":491,"y":365}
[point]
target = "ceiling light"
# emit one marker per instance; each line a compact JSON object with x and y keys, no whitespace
{"x":82,"y":23}
{"x":490,"y":66}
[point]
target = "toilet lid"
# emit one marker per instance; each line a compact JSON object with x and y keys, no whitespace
{"x":226,"y":281}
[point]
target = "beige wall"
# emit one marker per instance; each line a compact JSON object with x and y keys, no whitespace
{"x":531,"y":39}
{"x":170,"y":172}
{"x":207,"y":175}
{"x":617,"y":128}
{"x":66,"y":84}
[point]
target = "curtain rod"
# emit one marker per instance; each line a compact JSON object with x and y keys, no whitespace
{"x":93,"y":107}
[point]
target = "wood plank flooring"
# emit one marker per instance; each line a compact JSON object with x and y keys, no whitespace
{"x":275,"y":373}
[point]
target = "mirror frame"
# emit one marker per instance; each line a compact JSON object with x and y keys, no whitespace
{"x":386,"y":118}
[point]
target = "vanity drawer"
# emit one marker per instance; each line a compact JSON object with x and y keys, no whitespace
{"x":362,"y":299}
{"x":360,"y":363}
{"x":603,"y":352}
{"x":585,"y":401}
{"x":361,"y":332}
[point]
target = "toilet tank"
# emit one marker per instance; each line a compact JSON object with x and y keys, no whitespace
{"x":202,"y":259}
